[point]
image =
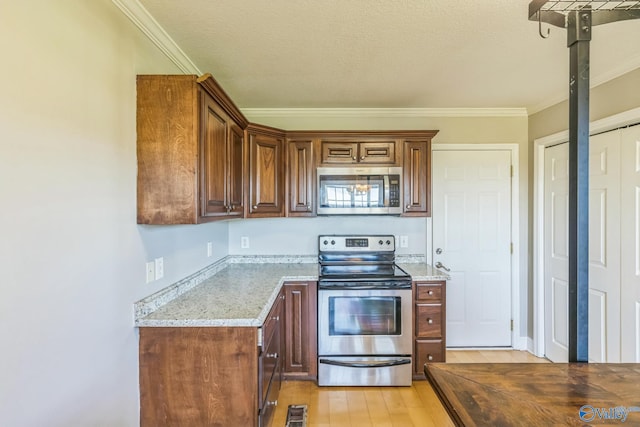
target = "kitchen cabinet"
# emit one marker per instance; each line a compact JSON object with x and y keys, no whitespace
{"x":301,"y":191}
{"x":266,"y":172}
{"x":354,"y":152}
{"x":417,"y":177}
{"x":300,"y":301}
{"x":222,"y":159}
{"x":189,"y":150}
{"x":211,"y":376}
{"x":429,"y":324}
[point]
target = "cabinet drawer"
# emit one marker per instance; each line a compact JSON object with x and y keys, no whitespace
{"x":377,"y":152}
{"x":269,"y":361}
{"x":428,"y":292}
{"x":339,"y":152}
{"x":428,"y":320}
{"x":428,"y":351}
{"x":269,"y":404}
{"x":272,"y":322}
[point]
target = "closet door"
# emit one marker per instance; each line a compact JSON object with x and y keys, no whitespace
{"x":604,"y":247}
{"x":630,"y":243}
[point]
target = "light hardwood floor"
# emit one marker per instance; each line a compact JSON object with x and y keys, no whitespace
{"x":415,"y":406}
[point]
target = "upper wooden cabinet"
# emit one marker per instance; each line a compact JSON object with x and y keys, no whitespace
{"x":417,"y":177}
{"x":354,"y":152}
{"x":300,"y":178}
{"x":266,"y":172}
{"x":190,"y":146}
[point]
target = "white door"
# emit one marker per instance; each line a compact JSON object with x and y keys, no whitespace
{"x":472,"y":237}
{"x":630,"y":243}
{"x":604,"y":250}
{"x":556,"y":250}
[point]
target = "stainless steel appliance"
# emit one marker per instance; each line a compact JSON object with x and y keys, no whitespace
{"x":359,"y":190}
{"x":365,"y":331}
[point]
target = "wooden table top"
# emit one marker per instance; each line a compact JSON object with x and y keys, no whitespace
{"x":537,"y":394}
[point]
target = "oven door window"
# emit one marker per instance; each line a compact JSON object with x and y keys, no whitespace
{"x":342,"y":191}
{"x":365,"y":315}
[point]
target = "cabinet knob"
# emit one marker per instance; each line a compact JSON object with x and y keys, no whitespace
{"x":354,"y":158}
{"x":408,"y":207}
{"x":308,"y":207}
{"x":430,"y":321}
{"x":255,"y":206}
{"x":430,"y":357}
{"x":430,"y":292}
{"x":362,"y":158}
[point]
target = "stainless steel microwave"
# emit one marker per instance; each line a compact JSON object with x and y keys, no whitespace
{"x":359,"y":191}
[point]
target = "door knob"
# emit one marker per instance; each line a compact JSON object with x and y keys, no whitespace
{"x":440,"y":265}
{"x":439,"y":251}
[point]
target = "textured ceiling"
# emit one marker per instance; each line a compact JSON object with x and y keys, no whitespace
{"x":386,"y":53}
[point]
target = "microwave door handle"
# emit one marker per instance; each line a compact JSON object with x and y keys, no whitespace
{"x":386,"y":190}
{"x":370,"y":364}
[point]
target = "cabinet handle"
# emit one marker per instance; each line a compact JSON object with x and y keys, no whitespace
{"x":430,"y":357}
{"x":276,"y":318}
{"x":430,"y":321}
{"x":271,"y":355}
{"x":271,"y":403}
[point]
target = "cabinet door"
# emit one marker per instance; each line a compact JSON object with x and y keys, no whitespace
{"x":300,"y":359}
{"x":266,"y":190}
{"x":301,"y":178}
{"x":383,"y":152}
{"x":417,"y":178}
{"x":339,"y":152}
{"x":236,"y":175}
{"x":214,"y":171}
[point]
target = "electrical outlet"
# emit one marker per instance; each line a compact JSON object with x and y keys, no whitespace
{"x":404,"y":241}
{"x":159,"y":264}
{"x":209,"y":249}
{"x":244,"y":242}
{"x":151,"y":271}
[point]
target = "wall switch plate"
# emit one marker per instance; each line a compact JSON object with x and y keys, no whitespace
{"x":159,"y":264}
{"x":151,"y":271}
{"x":209,"y":249}
{"x":244,"y":242}
{"x":404,"y":241}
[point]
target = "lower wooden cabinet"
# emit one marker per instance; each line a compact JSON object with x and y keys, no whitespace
{"x":300,"y":301}
{"x":211,"y":376}
{"x":429,"y":325}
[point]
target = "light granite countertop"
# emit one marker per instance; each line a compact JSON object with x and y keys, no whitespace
{"x":237,"y":294}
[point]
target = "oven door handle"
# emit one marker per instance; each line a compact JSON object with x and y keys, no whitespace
{"x":370,"y":364}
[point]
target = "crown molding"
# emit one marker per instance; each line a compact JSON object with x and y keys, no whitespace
{"x":385,"y":112}
{"x":158,"y":36}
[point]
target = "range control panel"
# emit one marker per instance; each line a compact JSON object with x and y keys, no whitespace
{"x":357,"y":243}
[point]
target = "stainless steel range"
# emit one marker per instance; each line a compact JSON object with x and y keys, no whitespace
{"x":365,"y":331}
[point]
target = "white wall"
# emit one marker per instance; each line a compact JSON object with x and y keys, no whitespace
{"x":71,"y":256}
{"x":299,"y":236}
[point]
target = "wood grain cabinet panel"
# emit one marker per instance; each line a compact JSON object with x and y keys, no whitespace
{"x":190,"y":143}
{"x":266,"y":172}
{"x":429,"y":324}
{"x":417,"y":178}
{"x":300,"y":178}
{"x":300,"y":360}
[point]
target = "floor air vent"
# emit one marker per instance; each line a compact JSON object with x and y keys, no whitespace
{"x":297,"y":416}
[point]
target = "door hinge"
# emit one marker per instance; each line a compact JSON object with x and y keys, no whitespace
{"x":511,"y":170}
{"x":511,"y":247}
{"x":512,"y":324}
